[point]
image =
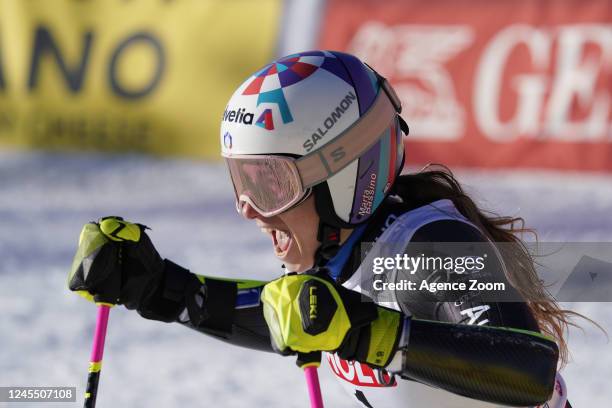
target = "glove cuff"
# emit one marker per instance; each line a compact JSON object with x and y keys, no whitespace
{"x":167,"y":301}
{"x":385,"y":333}
{"x":376,"y":343}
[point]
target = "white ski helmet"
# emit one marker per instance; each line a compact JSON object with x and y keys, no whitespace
{"x":331,"y":114}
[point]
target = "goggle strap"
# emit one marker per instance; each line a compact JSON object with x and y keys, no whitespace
{"x":384,"y":84}
{"x":320,"y":165}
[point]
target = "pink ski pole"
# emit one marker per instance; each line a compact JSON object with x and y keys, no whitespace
{"x":97,"y":351}
{"x":310,"y":362}
{"x":314,"y":388}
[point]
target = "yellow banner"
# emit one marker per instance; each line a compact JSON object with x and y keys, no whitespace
{"x":114,"y":75}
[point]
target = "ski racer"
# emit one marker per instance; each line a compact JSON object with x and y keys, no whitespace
{"x":314,"y":147}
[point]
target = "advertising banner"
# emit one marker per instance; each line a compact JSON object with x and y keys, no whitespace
{"x":493,"y":84}
{"x":112,"y":75}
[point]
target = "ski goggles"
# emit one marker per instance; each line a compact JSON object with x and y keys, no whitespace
{"x":272,"y":184}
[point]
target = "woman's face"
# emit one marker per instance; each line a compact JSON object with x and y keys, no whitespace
{"x":293,"y":233}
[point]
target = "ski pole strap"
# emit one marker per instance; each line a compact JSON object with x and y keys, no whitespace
{"x":97,"y":352}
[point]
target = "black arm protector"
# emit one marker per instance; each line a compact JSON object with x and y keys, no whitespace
{"x":210,"y":306}
{"x":507,"y":362}
{"x":503,"y":366}
{"x":243,"y":326}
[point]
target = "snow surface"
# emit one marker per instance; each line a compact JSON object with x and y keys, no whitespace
{"x":45,"y":331}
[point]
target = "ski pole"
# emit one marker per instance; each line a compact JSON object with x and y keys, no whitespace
{"x":97,"y":350}
{"x":309,"y":363}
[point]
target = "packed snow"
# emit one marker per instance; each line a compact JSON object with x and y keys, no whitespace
{"x":46,"y":331}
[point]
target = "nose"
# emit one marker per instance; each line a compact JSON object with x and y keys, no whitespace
{"x":248,"y":211}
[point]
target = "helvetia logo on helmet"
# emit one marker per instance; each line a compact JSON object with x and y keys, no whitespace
{"x":238,"y":116}
{"x":265,"y":120}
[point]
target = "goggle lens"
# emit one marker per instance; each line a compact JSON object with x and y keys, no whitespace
{"x":270,"y":184}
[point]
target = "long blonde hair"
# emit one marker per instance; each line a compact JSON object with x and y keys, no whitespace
{"x":430,"y":185}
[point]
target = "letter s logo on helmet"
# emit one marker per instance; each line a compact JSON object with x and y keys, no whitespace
{"x":335,"y":117}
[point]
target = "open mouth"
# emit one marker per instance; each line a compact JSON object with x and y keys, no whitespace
{"x":280,"y":239}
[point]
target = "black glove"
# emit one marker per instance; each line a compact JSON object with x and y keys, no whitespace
{"x":116,"y":263}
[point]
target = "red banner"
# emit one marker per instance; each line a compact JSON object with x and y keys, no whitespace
{"x":491,"y":84}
